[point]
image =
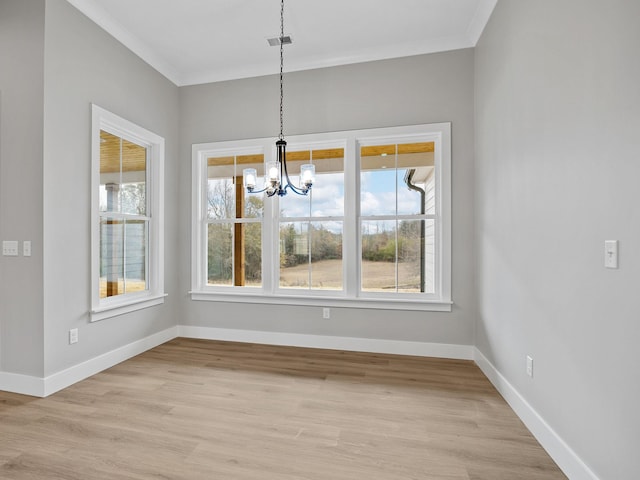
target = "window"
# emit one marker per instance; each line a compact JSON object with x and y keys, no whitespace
{"x":234,"y":221}
{"x":397,"y":217}
{"x":373,"y":231}
{"x":311,"y":227}
{"x":127,"y":166}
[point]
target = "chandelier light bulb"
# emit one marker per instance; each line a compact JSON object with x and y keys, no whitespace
{"x":307,"y":176}
{"x":249,"y":175}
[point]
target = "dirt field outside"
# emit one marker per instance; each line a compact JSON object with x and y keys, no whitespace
{"x":327,"y":274}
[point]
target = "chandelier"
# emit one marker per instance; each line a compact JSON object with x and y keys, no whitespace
{"x":276,"y":179}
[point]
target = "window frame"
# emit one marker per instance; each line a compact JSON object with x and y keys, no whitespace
{"x":351,"y":295}
{"x":102,"y":308}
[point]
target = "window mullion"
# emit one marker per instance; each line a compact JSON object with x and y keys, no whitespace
{"x":396,"y":220}
{"x":148,"y":279}
{"x":204,"y":213}
{"x":270,"y":227}
{"x":351,"y":224}
{"x":309,"y":268}
{"x":124,"y":256}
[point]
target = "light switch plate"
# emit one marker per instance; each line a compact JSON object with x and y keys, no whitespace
{"x":10,"y":248}
{"x":611,"y":253}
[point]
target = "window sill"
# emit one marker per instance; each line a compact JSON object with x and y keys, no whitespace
{"x":337,"y":302}
{"x":124,"y":307}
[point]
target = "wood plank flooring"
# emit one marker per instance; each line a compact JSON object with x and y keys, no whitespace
{"x":198,"y":409}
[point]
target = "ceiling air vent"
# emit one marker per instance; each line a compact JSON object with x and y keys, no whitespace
{"x":275,"y":41}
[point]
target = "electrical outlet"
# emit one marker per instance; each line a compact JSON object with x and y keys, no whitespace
{"x":73,"y":336}
{"x":26,"y":248}
{"x":326,"y":313}
{"x":529,"y":366}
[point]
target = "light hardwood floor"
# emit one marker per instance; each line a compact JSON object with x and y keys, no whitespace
{"x":197,"y":409}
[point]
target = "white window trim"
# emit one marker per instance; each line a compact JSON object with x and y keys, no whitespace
{"x":126,"y":303}
{"x":350,"y":296}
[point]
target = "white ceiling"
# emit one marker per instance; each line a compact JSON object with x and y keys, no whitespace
{"x":201,"y":41}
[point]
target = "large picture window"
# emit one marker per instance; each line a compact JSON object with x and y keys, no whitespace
{"x":127,"y":163}
{"x":373,"y":231}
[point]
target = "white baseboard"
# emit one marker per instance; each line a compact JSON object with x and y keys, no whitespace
{"x":399,"y":347}
{"x":568,"y":461}
{"x":65,"y":378}
{"x":43,"y":387}
{"x":22,"y":384}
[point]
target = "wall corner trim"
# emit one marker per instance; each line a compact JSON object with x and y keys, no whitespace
{"x":568,"y":461}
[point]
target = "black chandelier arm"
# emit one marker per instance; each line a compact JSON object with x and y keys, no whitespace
{"x":297,"y":190}
{"x":280,"y":191}
{"x":253,"y":190}
{"x":283,"y":163}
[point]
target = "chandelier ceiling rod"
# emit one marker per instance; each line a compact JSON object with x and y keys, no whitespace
{"x":281,"y":69}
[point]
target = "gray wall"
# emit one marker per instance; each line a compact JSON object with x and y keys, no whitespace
{"x":558,"y":136}
{"x":421,"y":89}
{"x":85,"y":65}
{"x":21,"y":119}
